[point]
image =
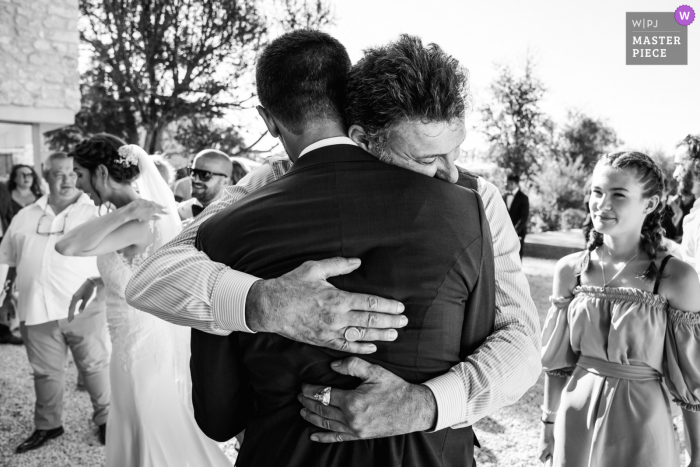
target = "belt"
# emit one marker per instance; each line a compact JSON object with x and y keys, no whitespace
{"x":617,"y":370}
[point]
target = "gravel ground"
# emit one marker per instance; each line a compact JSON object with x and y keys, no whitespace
{"x":509,"y":437}
{"x":79,"y":445}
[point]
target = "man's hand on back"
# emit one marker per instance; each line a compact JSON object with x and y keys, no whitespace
{"x":301,"y":305}
{"x":383,"y":405}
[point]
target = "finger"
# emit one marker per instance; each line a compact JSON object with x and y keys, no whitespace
{"x":325,"y":423}
{"x":349,"y":347}
{"x":386,"y":335}
{"x":363,"y":302}
{"x":333,"y":437}
{"x":326,"y":411}
{"x":369,"y":320}
{"x":331,"y":267}
{"x":71,"y":310}
{"x":353,"y":366}
{"x":83,"y":304}
{"x":337,"y":395}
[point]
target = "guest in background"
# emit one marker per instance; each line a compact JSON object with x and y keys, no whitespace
{"x":165,"y":169}
{"x":681,"y":205}
{"x":8,"y":316}
{"x":46,"y":281}
{"x":182,"y":188}
{"x":24,"y":186}
{"x":518,"y":207}
{"x":687,"y":160}
{"x":238,"y":172}
{"x":210,"y":174}
{"x":6,"y":212}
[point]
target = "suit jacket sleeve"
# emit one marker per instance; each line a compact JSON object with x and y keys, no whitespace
{"x":222,"y":395}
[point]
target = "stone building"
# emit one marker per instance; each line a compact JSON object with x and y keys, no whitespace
{"x":39,"y":79}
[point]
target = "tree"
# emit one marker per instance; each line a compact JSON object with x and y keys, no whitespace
{"x":155,"y":62}
{"x":587,"y":138}
{"x":99,"y":113}
{"x":514,"y":124}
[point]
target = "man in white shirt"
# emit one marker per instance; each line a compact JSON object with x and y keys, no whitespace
{"x":192,"y":290}
{"x":687,"y":173}
{"x":46,"y":281}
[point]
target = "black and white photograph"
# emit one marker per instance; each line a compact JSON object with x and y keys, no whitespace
{"x":332,"y":233}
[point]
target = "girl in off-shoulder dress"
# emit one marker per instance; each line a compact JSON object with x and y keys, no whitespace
{"x":623,"y":323}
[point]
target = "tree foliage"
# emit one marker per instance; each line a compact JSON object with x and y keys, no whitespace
{"x":155,"y":62}
{"x":587,"y":138}
{"x":515,"y":126}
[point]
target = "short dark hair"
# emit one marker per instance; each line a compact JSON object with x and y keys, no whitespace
{"x":301,"y":76}
{"x":405,"y":81}
{"x":513,"y":178}
{"x":103,"y":149}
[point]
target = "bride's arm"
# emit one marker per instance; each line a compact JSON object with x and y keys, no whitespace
{"x":125,"y":227}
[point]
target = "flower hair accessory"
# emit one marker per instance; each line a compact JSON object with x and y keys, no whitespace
{"x":127,"y":156}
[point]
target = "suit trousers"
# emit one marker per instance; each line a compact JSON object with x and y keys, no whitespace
{"x":47,"y":348}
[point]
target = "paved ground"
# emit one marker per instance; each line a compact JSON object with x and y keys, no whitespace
{"x":510,"y":437}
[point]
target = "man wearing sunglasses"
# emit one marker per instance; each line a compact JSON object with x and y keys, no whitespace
{"x":46,"y":281}
{"x":210,"y":174}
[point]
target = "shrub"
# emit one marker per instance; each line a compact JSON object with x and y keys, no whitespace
{"x":572,"y":219}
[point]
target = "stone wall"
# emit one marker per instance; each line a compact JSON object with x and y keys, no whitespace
{"x":39,"y":54}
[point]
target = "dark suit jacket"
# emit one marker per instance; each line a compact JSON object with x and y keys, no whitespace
{"x":519,"y":212}
{"x":422,"y":241}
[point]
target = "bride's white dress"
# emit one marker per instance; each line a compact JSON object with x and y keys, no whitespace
{"x":151,"y":422}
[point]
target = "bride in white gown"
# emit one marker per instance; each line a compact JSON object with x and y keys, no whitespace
{"x":151,"y":422}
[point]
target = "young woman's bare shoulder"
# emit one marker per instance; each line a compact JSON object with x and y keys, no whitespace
{"x":681,"y":286}
{"x":565,"y":275}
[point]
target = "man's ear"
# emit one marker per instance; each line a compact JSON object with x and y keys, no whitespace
{"x":358,"y":135}
{"x":269,"y":121}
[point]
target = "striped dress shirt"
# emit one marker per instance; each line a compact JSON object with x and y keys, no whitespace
{"x":180,"y":284}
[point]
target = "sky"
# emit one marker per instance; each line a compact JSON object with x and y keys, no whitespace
{"x":578,"y":50}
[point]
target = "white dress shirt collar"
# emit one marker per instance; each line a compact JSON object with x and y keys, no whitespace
{"x":44,"y":200}
{"x":327,"y":142}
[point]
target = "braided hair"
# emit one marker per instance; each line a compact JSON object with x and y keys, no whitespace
{"x":651,"y":178}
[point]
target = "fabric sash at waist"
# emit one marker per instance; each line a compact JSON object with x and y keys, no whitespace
{"x":618,"y":370}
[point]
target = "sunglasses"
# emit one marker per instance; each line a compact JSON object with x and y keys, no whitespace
{"x":25,"y":174}
{"x":43,"y":227}
{"x":203,"y":175}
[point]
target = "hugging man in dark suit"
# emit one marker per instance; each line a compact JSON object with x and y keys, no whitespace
{"x":422,"y":241}
{"x":518,"y":207}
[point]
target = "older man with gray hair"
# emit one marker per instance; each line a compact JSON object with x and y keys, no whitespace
{"x":46,"y":281}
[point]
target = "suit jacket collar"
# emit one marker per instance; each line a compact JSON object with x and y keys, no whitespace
{"x":332,"y":154}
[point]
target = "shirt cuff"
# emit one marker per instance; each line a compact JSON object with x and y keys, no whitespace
{"x":228,"y":300}
{"x":451,"y":399}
